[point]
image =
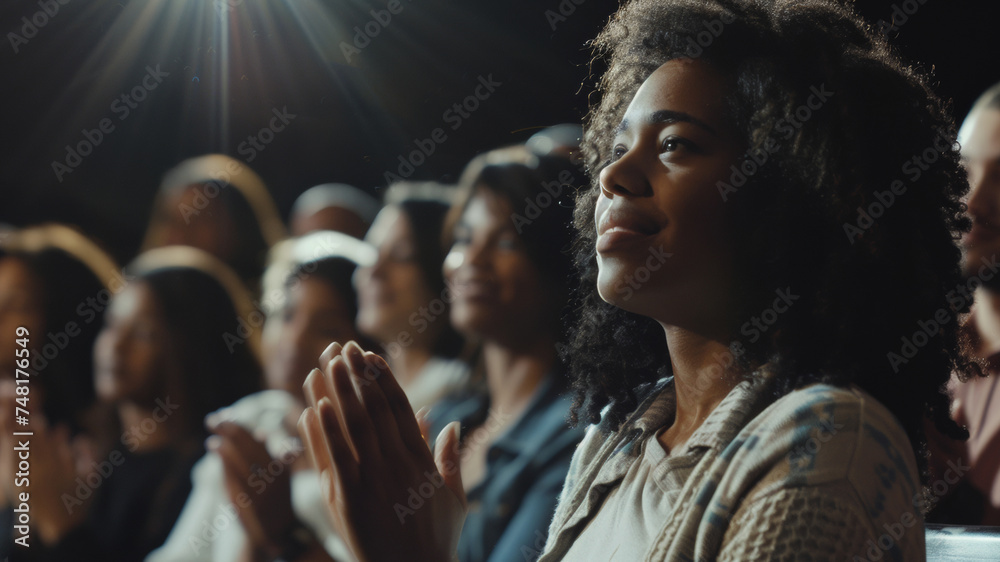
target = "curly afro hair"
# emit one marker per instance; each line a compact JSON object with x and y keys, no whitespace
{"x":815,"y":217}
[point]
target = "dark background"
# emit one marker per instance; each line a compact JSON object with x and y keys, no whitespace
{"x":231,"y":62}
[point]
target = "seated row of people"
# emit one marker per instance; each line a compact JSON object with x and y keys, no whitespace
{"x":466,"y":308}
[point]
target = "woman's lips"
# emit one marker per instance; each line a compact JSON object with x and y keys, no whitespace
{"x":624,"y":226}
{"x":618,"y":237}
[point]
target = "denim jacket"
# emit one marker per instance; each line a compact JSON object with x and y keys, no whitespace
{"x":511,"y":508}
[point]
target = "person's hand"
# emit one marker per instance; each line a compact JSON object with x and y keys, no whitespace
{"x":258,"y":485}
{"x":53,"y":471}
{"x":389,"y":497}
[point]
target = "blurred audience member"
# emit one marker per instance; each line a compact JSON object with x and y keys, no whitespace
{"x":334,"y":206}
{"x":510,"y":280}
{"x":162,"y":362}
{"x":259,"y":481}
{"x":402,"y":299}
{"x":286,"y":255}
{"x":217,"y":204}
{"x":54,"y":283}
{"x":975,"y":500}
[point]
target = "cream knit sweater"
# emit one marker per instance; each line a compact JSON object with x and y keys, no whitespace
{"x":823,"y":473}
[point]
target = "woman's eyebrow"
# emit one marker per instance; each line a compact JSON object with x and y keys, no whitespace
{"x":668,"y":116}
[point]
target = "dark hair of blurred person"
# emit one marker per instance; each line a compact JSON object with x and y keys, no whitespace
{"x":217,"y":204}
{"x":319,"y":306}
{"x":162,"y":362}
{"x":55,"y":283}
{"x":403,"y":301}
{"x":333,"y":206}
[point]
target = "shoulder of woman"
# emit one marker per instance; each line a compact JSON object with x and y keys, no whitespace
{"x":823,"y":434}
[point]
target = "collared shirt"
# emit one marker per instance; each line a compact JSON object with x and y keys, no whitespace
{"x":632,"y":512}
{"x":823,"y":473}
{"x":510,"y":509}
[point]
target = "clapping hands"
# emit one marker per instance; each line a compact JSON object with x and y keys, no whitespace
{"x":390,"y":498}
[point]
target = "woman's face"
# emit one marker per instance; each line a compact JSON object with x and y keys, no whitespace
{"x":498,"y":291}
{"x":980,"y":138}
{"x":663,"y":246}
{"x":393,"y":290}
{"x":314,"y":315}
{"x":130,"y":356}
{"x":20,"y":306}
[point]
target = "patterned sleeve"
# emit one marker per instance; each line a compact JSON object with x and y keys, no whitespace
{"x":803,"y":523}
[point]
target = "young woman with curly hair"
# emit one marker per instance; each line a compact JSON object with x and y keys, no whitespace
{"x":771,"y":236}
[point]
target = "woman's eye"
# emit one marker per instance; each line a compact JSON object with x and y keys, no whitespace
{"x":670,"y":144}
{"x":617,"y":152}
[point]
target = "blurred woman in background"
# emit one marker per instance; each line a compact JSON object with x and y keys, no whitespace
{"x":161,"y":362}
{"x":508,"y":271}
{"x":217,"y":204}
{"x":55,"y":284}
{"x":255,"y":479}
{"x":402,"y":299}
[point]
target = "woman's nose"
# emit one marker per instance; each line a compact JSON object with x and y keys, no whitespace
{"x":624,"y":177}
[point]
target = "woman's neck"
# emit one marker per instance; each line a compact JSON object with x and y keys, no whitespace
{"x":513,"y":374}
{"x":702,"y":376}
{"x":408,"y":363}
